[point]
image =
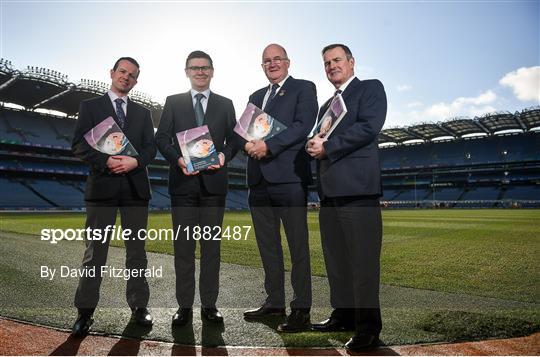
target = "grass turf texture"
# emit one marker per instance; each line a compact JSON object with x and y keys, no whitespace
{"x":490,"y":253}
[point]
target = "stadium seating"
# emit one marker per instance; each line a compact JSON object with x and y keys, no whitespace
{"x":237,"y":200}
{"x":38,"y":170}
{"x":62,"y":194}
{"x":485,"y":150}
{"x":16,"y":195}
{"x":160,"y":198}
{"x":32,"y":128}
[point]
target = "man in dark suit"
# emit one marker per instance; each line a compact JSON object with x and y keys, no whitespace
{"x":278,"y":174}
{"x":115,"y":182}
{"x":198,"y":198}
{"x":349,"y":185}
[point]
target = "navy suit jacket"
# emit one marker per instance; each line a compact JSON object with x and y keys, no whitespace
{"x":294,"y":105}
{"x":139,"y":129}
{"x":179,"y":115}
{"x":352,"y":166}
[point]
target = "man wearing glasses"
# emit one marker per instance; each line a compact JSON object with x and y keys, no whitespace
{"x":278,"y":175}
{"x":197,"y":198}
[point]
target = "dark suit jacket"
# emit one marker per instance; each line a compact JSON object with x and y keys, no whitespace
{"x":102,"y":184}
{"x":352,"y":165}
{"x":295,"y":105}
{"x":178,"y":115}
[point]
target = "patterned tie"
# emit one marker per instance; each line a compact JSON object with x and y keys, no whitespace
{"x":120,"y":112}
{"x":339,"y":91}
{"x":199,"y":112}
{"x":272,"y":95}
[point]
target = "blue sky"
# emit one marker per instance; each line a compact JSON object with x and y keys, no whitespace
{"x":437,"y":60}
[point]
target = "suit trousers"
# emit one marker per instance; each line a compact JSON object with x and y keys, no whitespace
{"x":99,"y":215}
{"x":271,"y":204}
{"x":197,"y":209}
{"x":351,"y":235}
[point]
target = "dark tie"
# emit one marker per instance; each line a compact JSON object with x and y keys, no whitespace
{"x":275,"y":86}
{"x":199,"y":112}
{"x":120,"y":112}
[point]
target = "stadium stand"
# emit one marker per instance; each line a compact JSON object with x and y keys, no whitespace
{"x":487,"y":161}
{"x":16,"y":195}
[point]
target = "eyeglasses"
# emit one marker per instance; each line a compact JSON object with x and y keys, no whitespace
{"x":276,"y":60}
{"x":201,"y":68}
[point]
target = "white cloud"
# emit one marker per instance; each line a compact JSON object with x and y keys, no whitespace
{"x":461,"y":106}
{"x":403,"y":87}
{"x":525,"y":83}
{"x":487,"y":97}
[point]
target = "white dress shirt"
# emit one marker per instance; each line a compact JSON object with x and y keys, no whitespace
{"x":204,"y":101}
{"x":280,"y":84}
{"x":113,"y":96}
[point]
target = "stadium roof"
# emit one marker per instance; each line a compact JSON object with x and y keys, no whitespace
{"x":5,"y":71}
{"x":464,"y":126}
{"x":488,"y":124}
{"x":41,"y":88}
{"x":530,"y":117}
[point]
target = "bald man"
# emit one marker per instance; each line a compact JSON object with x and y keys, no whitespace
{"x":278,"y":175}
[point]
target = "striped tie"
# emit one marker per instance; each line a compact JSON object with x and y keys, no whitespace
{"x":275,"y":86}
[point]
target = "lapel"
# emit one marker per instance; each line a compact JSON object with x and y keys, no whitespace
{"x":350,"y":88}
{"x":324,"y":108}
{"x":107,"y":107}
{"x":110,"y":111}
{"x":258,"y":97}
{"x":189,"y":110}
{"x":282,"y":91}
{"x":211,"y":109}
{"x":130,"y":117}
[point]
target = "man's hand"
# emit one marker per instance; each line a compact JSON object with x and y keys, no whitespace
{"x":248,"y":146}
{"x":183,"y":166}
{"x":120,"y":164}
{"x":221,"y":162}
{"x":315,"y":147}
{"x":258,"y":150}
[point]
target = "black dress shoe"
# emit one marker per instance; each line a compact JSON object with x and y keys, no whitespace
{"x":182,"y":316}
{"x":333,"y":324}
{"x":211,"y":314}
{"x":264,"y":311}
{"x":362,"y":341}
{"x":141,"y":316}
{"x":82,"y":325}
{"x":297,"y":321}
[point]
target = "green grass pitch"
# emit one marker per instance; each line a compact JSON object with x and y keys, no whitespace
{"x":490,"y":252}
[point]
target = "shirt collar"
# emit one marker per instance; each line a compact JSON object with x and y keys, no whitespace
{"x":114,"y":96}
{"x":205,"y":92}
{"x":344,"y":85}
{"x":280,"y":84}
